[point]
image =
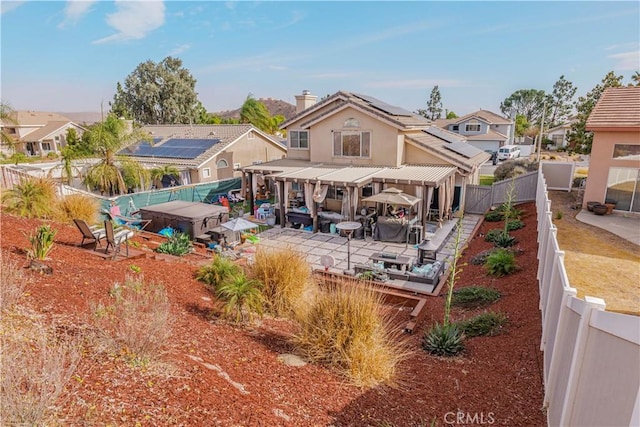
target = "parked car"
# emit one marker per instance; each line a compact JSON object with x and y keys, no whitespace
{"x":507,"y":152}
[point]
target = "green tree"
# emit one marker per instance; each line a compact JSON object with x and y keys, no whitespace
{"x":106,"y":139}
{"x":167,"y":170}
{"x":527,"y":102}
{"x":522,"y":125}
{"x":635,"y":78}
{"x":451,"y":115}
{"x":118,"y":105}
{"x":578,"y":137}
{"x":162,"y":93}
{"x":560,"y":102}
{"x":434,"y":106}
{"x":8,"y":117}
{"x":255,"y":112}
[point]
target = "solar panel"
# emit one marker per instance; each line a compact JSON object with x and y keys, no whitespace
{"x":442,"y":134}
{"x":463,"y":149}
{"x":171,"y":148}
{"x":383,"y":106}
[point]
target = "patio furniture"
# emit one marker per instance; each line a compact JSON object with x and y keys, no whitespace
{"x":116,"y":238}
{"x":93,"y":234}
{"x":392,"y":261}
{"x":114,"y":214}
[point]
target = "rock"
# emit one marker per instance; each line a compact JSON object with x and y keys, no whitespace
{"x":40,"y":267}
{"x":291,"y":360}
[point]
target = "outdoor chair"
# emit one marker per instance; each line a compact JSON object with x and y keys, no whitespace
{"x":114,"y":214}
{"x":91,"y":234}
{"x":116,"y":238}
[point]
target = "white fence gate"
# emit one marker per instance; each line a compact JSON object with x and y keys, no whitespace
{"x":591,"y":356}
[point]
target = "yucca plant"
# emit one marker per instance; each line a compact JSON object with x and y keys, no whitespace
{"x":514,"y":224}
{"x":31,"y":198}
{"x":504,"y":240}
{"x":242,"y":297}
{"x":501,"y":262}
{"x":41,"y":242}
{"x":216,"y":272}
{"x":177,"y":244}
{"x":444,"y":340}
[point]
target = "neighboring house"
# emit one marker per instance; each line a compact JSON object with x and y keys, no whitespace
{"x":558,"y":134}
{"x":614,"y":165}
{"x":482,"y":129}
{"x":205,"y":153}
{"x":39,"y":133}
{"x":350,"y":145}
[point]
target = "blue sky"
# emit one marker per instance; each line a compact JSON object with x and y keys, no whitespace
{"x":68,"y":56}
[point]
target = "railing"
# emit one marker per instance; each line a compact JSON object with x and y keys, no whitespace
{"x":591,"y":356}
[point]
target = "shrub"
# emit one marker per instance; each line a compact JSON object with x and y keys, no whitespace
{"x":241,"y":296}
{"x":177,"y":244}
{"x":285,"y":277}
{"x":31,"y":198}
{"x":13,"y":283}
{"x":578,"y":181}
{"x":559,"y":215}
{"x":77,"y":206}
{"x":135,"y":321}
{"x":488,"y":323}
{"x":345,"y":327}
{"x":219,"y":270}
{"x":443,"y":340}
{"x":493,"y":216}
{"x":480,"y":258}
{"x":493,"y":234}
{"x":41,"y":242}
{"x":38,"y":361}
{"x":512,"y":168}
{"x":501,"y":262}
{"x":514,"y":224}
{"x":475,"y":296}
{"x":504,"y":240}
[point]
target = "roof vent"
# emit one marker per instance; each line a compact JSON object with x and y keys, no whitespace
{"x":306,"y":92}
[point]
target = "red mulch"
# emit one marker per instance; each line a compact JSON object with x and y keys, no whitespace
{"x":498,"y":378}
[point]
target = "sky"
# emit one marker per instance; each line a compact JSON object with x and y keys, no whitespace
{"x":69,"y":56}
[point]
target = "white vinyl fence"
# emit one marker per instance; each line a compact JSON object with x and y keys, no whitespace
{"x":591,"y":356}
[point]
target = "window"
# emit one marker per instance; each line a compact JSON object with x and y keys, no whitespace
{"x":558,"y":140}
{"x":335,"y":193}
{"x":299,"y":139}
{"x":206,"y":173}
{"x":455,"y":128}
{"x":56,"y":138}
{"x":352,"y":144}
{"x":472,"y":126}
{"x":237,"y":166}
{"x":626,"y":152}
{"x":222,"y":163}
{"x":46,"y":146}
{"x":623,"y":187}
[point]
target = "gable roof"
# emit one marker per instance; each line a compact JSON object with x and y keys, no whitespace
{"x":45,"y":131}
{"x":447,"y":150}
{"x":486,"y":116}
{"x":618,"y":107}
{"x":221,"y":137}
{"x":34,"y":118}
{"x":491,"y":135}
{"x":374,"y":107}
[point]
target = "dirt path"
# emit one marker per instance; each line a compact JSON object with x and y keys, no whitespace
{"x":598,"y":263}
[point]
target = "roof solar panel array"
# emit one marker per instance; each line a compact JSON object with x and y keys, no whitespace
{"x":171,"y":148}
{"x":463,"y":148}
{"x":383,"y":106}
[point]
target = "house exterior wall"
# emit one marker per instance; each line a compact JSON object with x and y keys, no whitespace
{"x":484,"y":127}
{"x":602,"y":160}
{"x":562,"y":132}
{"x":416,"y":156}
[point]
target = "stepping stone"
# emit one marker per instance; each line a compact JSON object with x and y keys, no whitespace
{"x":291,"y":360}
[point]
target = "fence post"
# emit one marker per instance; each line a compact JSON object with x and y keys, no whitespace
{"x":590,"y":304}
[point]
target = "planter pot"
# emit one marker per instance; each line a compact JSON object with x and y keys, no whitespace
{"x":271,"y":221}
{"x":599,"y":209}
{"x":590,"y":205}
{"x":610,"y":207}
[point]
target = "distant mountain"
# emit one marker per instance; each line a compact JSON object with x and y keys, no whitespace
{"x":84,"y":118}
{"x":275,"y":107}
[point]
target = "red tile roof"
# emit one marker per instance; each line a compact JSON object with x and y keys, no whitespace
{"x":618,"y":107}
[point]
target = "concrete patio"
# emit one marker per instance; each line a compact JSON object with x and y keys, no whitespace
{"x":626,"y":226}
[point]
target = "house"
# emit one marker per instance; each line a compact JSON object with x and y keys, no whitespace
{"x":205,"y":153}
{"x":558,"y":134}
{"x":349,"y":146}
{"x":39,"y":133}
{"x":614,"y":166}
{"x":482,"y":129}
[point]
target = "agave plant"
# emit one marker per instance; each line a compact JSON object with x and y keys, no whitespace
{"x":444,"y":340}
{"x":178,"y":244}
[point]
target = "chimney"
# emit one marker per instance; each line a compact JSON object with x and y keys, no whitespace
{"x":305,"y":100}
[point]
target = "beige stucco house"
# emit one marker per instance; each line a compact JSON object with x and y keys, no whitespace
{"x":349,"y":146}
{"x":483,"y":129}
{"x":614,"y":167}
{"x":38,"y":133}
{"x":205,"y":153}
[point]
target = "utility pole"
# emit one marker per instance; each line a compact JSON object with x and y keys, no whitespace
{"x":544,"y":110}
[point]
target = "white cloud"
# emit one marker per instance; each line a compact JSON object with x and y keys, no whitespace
{"x":74,"y":11}
{"x":8,"y":6}
{"x":179,"y":49}
{"x":134,"y":20}
{"x":627,"y":61}
{"x":416,"y":83}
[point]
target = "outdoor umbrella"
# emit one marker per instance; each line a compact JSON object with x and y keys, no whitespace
{"x":393,"y":196}
{"x":239,"y":224}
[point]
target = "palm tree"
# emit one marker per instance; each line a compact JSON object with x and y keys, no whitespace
{"x":167,"y":170}
{"x":106,"y":139}
{"x":256,"y":113}
{"x":31,"y":198}
{"x":242,"y":296}
{"x":7,"y":116}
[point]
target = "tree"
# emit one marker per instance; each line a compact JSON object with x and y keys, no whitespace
{"x":8,"y":117}
{"x":167,"y":170}
{"x":451,"y":115}
{"x":527,"y":102}
{"x":560,"y":102}
{"x":434,"y":106}
{"x":162,"y":93}
{"x":521,"y":125}
{"x":635,"y":78}
{"x":106,"y":139}
{"x":255,"y":112}
{"x":578,"y":137}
